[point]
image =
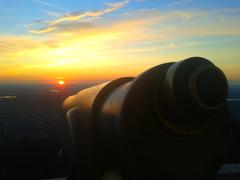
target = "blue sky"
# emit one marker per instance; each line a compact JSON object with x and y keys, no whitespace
{"x":106,"y":39}
{"x":16,"y":15}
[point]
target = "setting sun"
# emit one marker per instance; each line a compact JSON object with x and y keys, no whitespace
{"x":61,"y":82}
{"x":116,"y":38}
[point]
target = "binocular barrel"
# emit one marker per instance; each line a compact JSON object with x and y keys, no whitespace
{"x":170,"y":122}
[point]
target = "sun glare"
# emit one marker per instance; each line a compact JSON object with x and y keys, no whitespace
{"x":61,"y":82}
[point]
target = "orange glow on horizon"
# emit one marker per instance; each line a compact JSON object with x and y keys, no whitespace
{"x":118,"y":47}
{"x":61,"y":82}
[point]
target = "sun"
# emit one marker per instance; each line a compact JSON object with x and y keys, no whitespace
{"x":61,"y":82}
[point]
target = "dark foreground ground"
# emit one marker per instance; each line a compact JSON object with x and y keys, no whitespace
{"x":33,"y":129}
{"x":32,"y":114}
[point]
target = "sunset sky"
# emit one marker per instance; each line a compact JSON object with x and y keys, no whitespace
{"x":77,"y":40}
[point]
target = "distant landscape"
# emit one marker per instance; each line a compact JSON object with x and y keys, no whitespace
{"x":35,"y":111}
{"x":33,"y":129}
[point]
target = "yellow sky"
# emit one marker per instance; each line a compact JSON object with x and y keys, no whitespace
{"x":106,"y":49}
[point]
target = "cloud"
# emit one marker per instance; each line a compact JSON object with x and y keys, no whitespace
{"x":51,"y":13}
{"x":42,"y":30}
{"x":49,"y":5}
{"x":180,"y":3}
{"x":78,"y":15}
{"x":145,"y":28}
{"x":87,"y":49}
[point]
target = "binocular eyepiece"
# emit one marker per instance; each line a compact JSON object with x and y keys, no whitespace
{"x":170,"y":122}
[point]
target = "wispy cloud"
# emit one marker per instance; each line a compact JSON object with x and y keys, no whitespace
{"x":44,"y":3}
{"x":43,"y":30}
{"x":87,"y":50}
{"x":180,"y":3}
{"x":51,"y":13}
{"x":77,"y":15}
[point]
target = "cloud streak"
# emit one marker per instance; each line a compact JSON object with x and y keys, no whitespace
{"x":82,"y":50}
{"x":180,"y":3}
{"x":51,"y":13}
{"x":76,"y":16}
{"x":49,"y":5}
{"x":42,"y":30}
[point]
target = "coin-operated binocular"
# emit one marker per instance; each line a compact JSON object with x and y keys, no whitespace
{"x":170,"y":122}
